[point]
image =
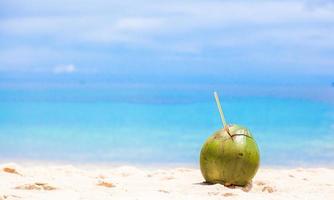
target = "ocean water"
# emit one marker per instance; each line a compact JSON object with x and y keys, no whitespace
{"x":289,"y":131}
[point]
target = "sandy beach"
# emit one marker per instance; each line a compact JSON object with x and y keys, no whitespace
{"x":46,"y":181}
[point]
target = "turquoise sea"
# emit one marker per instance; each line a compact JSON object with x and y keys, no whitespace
{"x":56,"y":126}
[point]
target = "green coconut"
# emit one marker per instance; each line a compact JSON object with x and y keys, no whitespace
{"x":230,"y":156}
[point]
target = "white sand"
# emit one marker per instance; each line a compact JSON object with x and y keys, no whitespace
{"x":99,"y":183}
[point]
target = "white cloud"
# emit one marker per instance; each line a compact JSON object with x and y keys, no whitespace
{"x":302,"y":31}
{"x":127,"y":30}
{"x":64,"y":69}
{"x":141,"y":25}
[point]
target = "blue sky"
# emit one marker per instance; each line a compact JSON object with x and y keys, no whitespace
{"x":168,"y":44}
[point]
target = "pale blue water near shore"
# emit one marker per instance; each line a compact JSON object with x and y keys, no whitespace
{"x":289,"y":131}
